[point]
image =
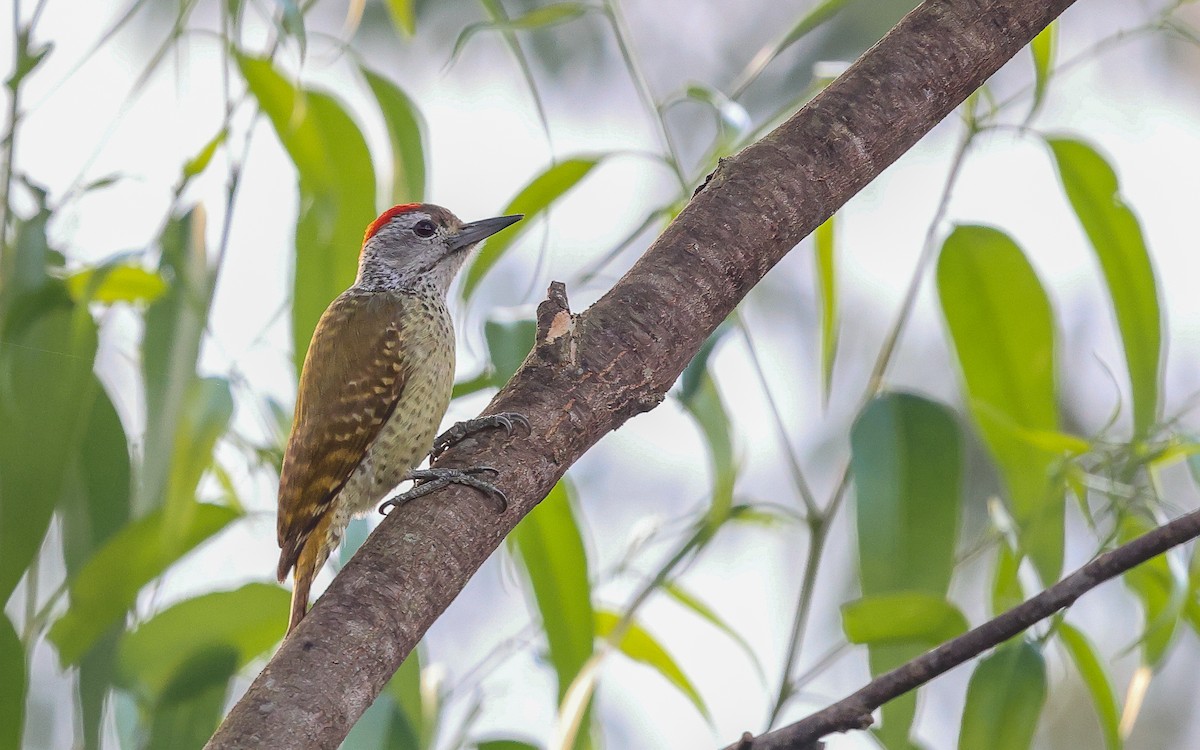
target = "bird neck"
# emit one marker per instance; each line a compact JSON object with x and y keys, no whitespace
{"x":376,"y":274}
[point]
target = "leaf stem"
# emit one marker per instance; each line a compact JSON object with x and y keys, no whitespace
{"x":10,"y":139}
{"x":621,"y":34}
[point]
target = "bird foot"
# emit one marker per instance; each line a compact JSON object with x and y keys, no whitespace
{"x":431,"y":480}
{"x":507,"y":421}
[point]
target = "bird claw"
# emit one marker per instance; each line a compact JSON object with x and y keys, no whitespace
{"x":431,"y":480}
{"x":507,"y":421}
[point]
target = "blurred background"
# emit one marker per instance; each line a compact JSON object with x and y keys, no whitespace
{"x":995,"y":341}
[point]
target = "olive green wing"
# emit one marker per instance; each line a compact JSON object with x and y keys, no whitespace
{"x":352,"y":378}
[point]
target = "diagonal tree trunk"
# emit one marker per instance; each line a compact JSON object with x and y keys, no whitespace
{"x":591,"y":372}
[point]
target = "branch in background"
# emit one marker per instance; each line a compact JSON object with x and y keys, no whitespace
{"x":854,"y":711}
{"x":591,"y":372}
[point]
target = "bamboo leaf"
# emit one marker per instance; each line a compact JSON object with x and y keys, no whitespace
{"x":1004,"y":699}
{"x":550,"y":548}
{"x":538,"y":18}
{"x":405,"y":128}
{"x":1006,"y":583}
{"x":689,"y":600}
{"x":337,"y":191}
{"x":907,"y":464}
{"x":906,"y":458}
{"x":95,"y":507}
{"x":246,"y":622}
{"x":1097,"y":681}
{"x":404,"y":16}
{"x":1002,"y":328}
{"x":1092,"y":188}
{"x":817,"y":15}
{"x":175,"y":325}
{"x":1042,"y":49}
{"x":207,"y":409}
{"x":1162,"y":590}
{"x":201,"y":160}
{"x":638,"y":644}
{"x":902,"y":617}
{"x":190,"y":707}
{"x":12,"y":676}
{"x":533,"y":200}
{"x":107,"y":586}
{"x":408,"y":729}
{"x":47,"y":347}
{"x":122,"y":282}
{"x":508,"y":345}
{"x":824,"y":237}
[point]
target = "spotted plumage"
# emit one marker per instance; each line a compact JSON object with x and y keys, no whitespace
{"x":375,"y":384}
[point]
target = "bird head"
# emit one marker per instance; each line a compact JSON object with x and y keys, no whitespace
{"x":421,"y":245}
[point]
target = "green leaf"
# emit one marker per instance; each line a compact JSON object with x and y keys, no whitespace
{"x":198,"y":163}
{"x":403,"y":15}
{"x":508,"y":345}
{"x":337,"y":191}
{"x":1115,"y":235}
{"x":1003,"y":332}
{"x":107,"y":586}
{"x":95,"y":507}
{"x":485,"y":379}
{"x":408,"y":729}
{"x":550,"y":547}
{"x":175,"y":325}
{"x":1004,"y":699}
{"x":638,"y":644}
{"x":122,"y":282}
{"x":1096,"y":679}
{"x":405,"y":129}
{"x":192,"y":702}
{"x":12,"y":676}
{"x":1161,"y":588}
{"x":32,"y":255}
{"x":824,"y":238}
{"x":506,"y":745}
{"x":697,"y":369}
{"x":207,"y":409}
{"x":706,"y":407}
{"x":538,"y":18}
{"x":1042,"y":48}
{"x":1006,"y":583}
{"x":700,"y":397}
{"x":47,"y":347}
{"x":533,"y":200}
{"x":903,"y":616}
{"x":906,"y":456}
{"x":817,"y":15}
{"x":246,"y":622}
{"x":689,"y":600}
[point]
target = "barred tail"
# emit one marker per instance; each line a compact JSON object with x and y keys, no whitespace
{"x":305,"y":570}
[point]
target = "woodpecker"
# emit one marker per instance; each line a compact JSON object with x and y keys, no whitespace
{"x":375,"y":384}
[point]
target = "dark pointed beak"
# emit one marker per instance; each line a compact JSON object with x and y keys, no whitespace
{"x":477,"y":231}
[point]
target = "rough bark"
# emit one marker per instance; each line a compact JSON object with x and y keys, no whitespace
{"x":592,"y":372}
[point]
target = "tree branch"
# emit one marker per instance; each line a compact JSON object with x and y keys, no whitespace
{"x":592,"y":372}
{"x":854,"y":711}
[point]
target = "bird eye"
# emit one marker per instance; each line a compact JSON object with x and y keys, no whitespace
{"x":424,"y":228}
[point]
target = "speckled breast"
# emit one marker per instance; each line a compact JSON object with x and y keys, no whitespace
{"x":405,"y":439}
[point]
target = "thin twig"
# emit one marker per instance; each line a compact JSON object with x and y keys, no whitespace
{"x":854,"y":711}
{"x":621,"y":33}
{"x":802,"y":486}
{"x":818,"y":535}
{"x":10,"y":141}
